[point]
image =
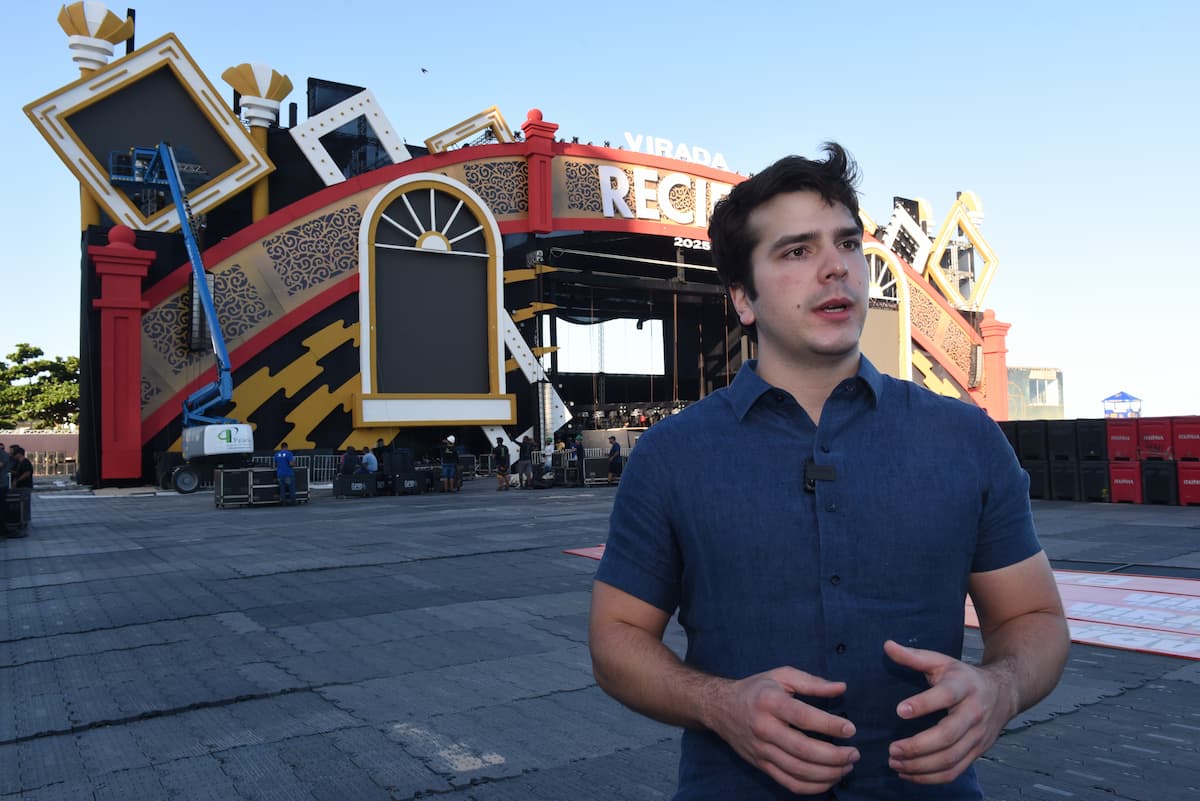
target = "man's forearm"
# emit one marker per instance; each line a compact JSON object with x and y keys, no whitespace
{"x":1027,"y":654}
{"x":641,"y":672}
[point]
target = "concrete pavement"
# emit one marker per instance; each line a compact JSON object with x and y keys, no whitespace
{"x":154,"y":647}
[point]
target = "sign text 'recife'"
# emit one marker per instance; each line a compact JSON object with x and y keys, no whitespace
{"x":652,"y":195}
{"x":657,"y":146}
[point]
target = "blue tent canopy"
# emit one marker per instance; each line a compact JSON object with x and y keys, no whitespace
{"x":1121,"y":397}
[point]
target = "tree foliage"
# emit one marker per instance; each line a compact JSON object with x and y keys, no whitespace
{"x":37,"y":391}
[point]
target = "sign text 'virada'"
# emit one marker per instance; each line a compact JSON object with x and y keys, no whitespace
{"x":657,"y":146}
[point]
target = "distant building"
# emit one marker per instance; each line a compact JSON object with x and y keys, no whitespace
{"x":1035,"y":393}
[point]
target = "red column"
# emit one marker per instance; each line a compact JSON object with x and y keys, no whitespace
{"x":995,"y":365}
{"x":121,"y":268}
{"x":539,"y":142}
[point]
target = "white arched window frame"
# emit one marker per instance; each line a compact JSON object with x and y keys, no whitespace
{"x":494,"y":407}
{"x":888,"y":282}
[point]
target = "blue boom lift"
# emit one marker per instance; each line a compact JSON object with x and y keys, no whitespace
{"x":208,"y":438}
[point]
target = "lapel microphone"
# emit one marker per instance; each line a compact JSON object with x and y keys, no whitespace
{"x":814,"y":472}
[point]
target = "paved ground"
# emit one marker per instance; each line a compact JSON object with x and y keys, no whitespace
{"x":153,"y":647}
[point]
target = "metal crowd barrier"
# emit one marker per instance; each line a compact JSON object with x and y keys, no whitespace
{"x":323,"y":468}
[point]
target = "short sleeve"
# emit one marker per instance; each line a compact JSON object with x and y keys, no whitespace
{"x":1006,"y":531}
{"x":642,"y":555}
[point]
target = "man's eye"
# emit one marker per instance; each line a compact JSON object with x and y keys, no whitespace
{"x":797,"y":252}
{"x":851,"y":244}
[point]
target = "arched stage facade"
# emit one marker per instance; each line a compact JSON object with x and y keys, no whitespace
{"x":371,"y":289}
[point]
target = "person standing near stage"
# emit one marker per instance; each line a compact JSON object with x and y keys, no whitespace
{"x":820,"y":567}
{"x":370,"y":464}
{"x":21,"y":469}
{"x":614,"y":459}
{"x":525,"y":462}
{"x":548,"y":457}
{"x":449,"y":465}
{"x":501,"y":457}
{"x":350,"y":461}
{"x":285,"y":474}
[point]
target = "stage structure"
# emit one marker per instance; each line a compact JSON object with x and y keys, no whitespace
{"x":371,"y":289}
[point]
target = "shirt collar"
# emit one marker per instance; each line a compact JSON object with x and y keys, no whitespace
{"x":748,"y":386}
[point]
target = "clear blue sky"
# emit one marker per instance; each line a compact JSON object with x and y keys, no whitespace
{"x":1075,"y":123}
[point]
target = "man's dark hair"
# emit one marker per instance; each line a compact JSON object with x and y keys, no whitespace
{"x":729,"y":229}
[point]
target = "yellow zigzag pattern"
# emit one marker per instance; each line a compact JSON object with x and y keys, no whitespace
{"x":252,"y":393}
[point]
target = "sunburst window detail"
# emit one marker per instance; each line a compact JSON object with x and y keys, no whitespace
{"x":883,"y":281}
{"x":430,"y":219}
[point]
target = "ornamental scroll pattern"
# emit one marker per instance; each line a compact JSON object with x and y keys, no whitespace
{"x":926,"y":316}
{"x":239,"y":306}
{"x":503,"y":185}
{"x":166,"y":327}
{"x":583,"y":186}
{"x":317,"y":250}
{"x":683,"y":198}
{"x":149,"y":391}
{"x":957,"y":345}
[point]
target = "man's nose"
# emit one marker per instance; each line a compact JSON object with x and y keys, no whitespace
{"x":833,"y":267}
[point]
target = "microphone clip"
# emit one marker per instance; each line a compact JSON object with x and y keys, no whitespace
{"x":814,"y":472}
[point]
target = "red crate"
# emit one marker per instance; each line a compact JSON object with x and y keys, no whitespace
{"x":1122,"y":439}
{"x":1125,"y":482}
{"x":1155,"y":438}
{"x":1187,"y":438}
{"x":1189,"y":483}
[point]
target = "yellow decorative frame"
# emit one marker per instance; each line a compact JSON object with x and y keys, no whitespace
{"x":372,"y":409}
{"x":489,"y":118}
{"x":960,"y":217}
{"x":51,"y":115}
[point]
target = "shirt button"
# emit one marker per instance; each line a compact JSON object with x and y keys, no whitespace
{"x":779,"y":397}
{"x":841,"y":648}
{"x":831,"y":507}
{"x":835,"y":580}
{"x":824,"y":449}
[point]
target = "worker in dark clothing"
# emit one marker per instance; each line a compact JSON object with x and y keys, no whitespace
{"x":22,"y":468}
{"x":449,"y":465}
{"x":614,"y":459}
{"x":350,"y":461}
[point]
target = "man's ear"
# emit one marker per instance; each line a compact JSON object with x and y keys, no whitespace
{"x":741,"y":304}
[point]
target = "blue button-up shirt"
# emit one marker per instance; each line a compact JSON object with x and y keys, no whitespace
{"x":713,"y":519}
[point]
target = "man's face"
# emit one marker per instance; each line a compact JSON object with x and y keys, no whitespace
{"x":811,"y":280}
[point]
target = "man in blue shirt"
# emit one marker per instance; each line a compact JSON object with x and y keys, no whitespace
{"x":286,"y":475}
{"x":820,"y":575}
{"x":369,"y":463}
{"x":614,"y":459}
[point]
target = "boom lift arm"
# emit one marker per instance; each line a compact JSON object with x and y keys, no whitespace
{"x":197,"y":406}
{"x":208,"y":438}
